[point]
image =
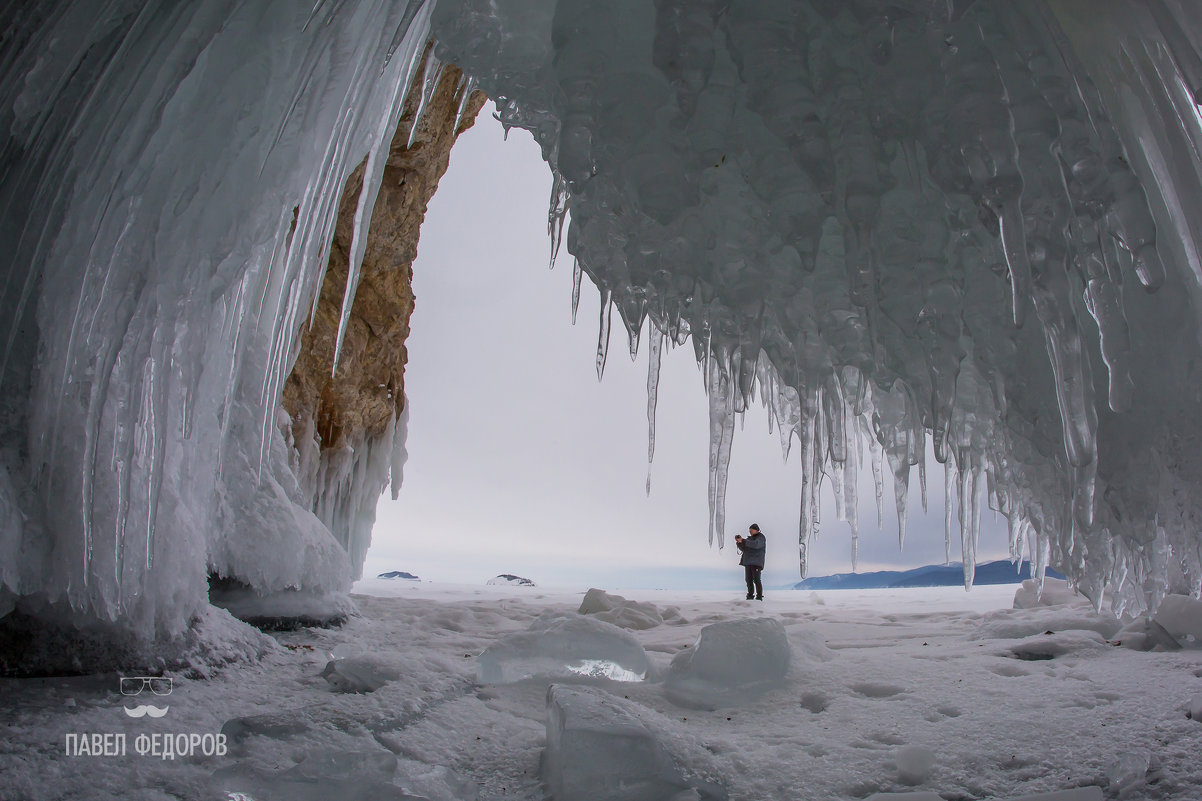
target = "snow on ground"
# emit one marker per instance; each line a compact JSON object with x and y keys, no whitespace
{"x":887,"y":691}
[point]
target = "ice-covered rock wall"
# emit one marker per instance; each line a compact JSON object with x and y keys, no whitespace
{"x":170,"y":177}
{"x":904,"y":221}
{"x":973,"y":224}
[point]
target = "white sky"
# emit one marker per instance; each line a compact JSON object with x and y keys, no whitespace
{"x":520,"y":462}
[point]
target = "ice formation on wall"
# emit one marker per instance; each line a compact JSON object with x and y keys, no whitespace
{"x":169,"y":180}
{"x":902,"y":221}
{"x":969,"y":222}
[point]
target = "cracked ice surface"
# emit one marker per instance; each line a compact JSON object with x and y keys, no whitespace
{"x":969,"y":222}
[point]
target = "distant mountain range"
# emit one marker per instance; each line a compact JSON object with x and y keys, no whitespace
{"x":952,"y":575}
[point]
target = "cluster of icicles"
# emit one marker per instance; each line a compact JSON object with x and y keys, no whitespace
{"x":905,"y":222}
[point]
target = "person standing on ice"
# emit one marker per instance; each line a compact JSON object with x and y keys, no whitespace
{"x":752,"y":547}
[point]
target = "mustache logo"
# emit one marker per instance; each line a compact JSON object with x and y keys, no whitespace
{"x":146,"y":709}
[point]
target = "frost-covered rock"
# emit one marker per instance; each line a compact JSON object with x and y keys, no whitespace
{"x":511,"y":580}
{"x":603,"y":748}
{"x":918,"y":795}
{"x":626,"y":613}
{"x":1181,"y":616}
{"x":564,"y":646}
{"x":1055,"y":592}
{"x":731,"y":663}
{"x":398,"y":574}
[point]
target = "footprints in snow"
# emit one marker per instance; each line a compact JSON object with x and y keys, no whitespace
{"x":872,"y":689}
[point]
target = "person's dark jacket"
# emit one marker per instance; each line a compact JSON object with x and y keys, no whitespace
{"x":753,"y":550}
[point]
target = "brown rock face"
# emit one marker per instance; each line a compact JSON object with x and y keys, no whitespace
{"x":335,"y":416}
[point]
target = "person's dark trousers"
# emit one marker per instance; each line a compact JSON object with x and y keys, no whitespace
{"x":754,"y":588}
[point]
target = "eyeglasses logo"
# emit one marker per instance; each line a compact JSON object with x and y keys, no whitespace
{"x":134,"y":685}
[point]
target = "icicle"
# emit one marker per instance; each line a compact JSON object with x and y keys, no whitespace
{"x":466,"y":88}
{"x":722,"y":429}
{"x":373,"y":175}
{"x":968,"y":539}
{"x":876,"y":458}
{"x":400,"y":454}
{"x":603,"y":332}
{"x":805,"y":515}
{"x":851,"y":512}
{"x":576,"y":276}
{"x":922,"y":483}
{"x":653,"y":357}
{"x":556,"y":214}
{"x":431,"y":73}
{"x":1014,"y":529}
{"x":949,"y":488}
{"x":901,"y":488}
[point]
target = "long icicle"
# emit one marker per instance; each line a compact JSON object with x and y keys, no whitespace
{"x":653,"y":361}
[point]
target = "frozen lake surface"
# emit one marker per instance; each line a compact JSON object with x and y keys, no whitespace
{"x":932,"y":690}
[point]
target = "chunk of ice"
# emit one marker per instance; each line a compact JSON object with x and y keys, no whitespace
{"x":1181,"y":616}
{"x":1144,"y":634}
{"x":360,"y":673}
{"x":1055,"y":592}
{"x":1129,"y":771}
{"x":731,"y":663}
{"x":558,"y":646}
{"x":1194,"y":707}
{"x":602,"y":748}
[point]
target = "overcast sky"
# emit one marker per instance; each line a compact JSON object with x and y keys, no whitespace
{"x":520,"y":462}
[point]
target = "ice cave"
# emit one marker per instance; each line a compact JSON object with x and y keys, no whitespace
{"x":962,"y":225}
{"x":892,"y":222}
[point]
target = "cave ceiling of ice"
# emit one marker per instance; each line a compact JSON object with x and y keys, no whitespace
{"x":973,"y":224}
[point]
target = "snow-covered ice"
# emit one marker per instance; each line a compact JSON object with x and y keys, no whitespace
{"x":628,"y":614}
{"x":904,"y":668}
